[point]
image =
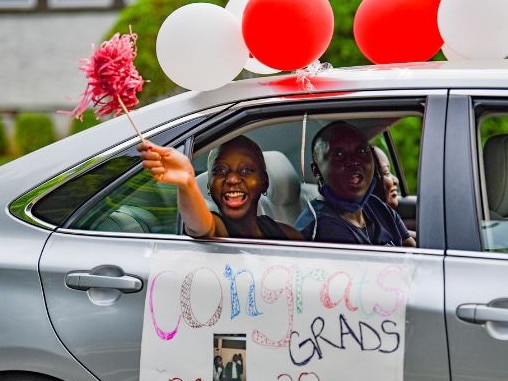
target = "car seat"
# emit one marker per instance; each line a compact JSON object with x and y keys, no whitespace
{"x":127,"y":218}
{"x":202,"y":180}
{"x":284,"y":199}
{"x":495,"y":161}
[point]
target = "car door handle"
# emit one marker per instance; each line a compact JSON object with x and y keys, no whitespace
{"x":481,"y":313}
{"x":84,"y":281}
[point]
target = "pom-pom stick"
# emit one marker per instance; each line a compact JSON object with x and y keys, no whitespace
{"x":126,"y":111}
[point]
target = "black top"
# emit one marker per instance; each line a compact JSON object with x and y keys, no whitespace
{"x":269,"y":228}
{"x":384,"y":225}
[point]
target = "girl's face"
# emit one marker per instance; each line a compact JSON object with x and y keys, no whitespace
{"x":390,"y":181}
{"x":236,"y":181}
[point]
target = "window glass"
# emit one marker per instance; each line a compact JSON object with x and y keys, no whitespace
{"x":115,"y":196}
{"x":17,"y":4}
{"x":137,"y":205}
{"x":493,"y":140}
{"x":61,"y":203}
{"x":120,"y":196}
{"x":79,"y":3}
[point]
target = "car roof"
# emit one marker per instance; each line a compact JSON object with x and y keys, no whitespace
{"x":432,"y":74}
{"x":59,"y":156}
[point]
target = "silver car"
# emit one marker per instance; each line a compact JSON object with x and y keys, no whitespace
{"x":99,"y":282}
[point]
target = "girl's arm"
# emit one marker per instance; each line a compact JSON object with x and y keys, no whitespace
{"x":171,"y":166}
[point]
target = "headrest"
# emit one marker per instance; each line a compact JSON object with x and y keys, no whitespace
{"x":202,"y":180}
{"x":495,"y":161}
{"x":284,"y":187}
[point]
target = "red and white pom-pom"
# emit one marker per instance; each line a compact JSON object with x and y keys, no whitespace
{"x":113,"y":80}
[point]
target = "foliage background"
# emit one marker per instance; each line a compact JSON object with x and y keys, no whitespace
{"x":33,"y":131}
{"x":146,"y":17}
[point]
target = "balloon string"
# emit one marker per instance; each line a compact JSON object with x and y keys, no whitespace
{"x":304,"y":75}
{"x":302,"y":163}
{"x":124,"y":108}
{"x":302,"y":150}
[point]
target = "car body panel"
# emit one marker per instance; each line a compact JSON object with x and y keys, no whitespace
{"x":25,"y":329}
{"x":53,"y":328}
{"x":122,"y":332}
{"x":477,"y":349}
{"x":81,"y":317}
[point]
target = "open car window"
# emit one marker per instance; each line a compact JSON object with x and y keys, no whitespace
{"x":286,"y":146}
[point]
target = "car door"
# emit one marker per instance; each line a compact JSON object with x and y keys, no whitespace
{"x":476,"y":266}
{"x":156,"y":305}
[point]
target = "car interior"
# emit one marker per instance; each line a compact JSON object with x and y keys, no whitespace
{"x":495,"y":160}
{"x":494,"y":182}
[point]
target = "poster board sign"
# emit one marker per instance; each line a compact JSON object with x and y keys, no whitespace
{"x":282,"y":318}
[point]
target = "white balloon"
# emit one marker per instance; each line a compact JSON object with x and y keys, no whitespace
{"x":254,"y":66}
{"x":236,"y":7}
{"x":452,"y":55}
{"x":200,"y":46}
{"x":475,"y":29}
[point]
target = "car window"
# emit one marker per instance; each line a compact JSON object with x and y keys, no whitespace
{"x":138,"y":205}
{"x":493,"y":143}
{"x":61,"y":203}
{"x":134,"y":202}
{"x":286,"y":145}
{"x":401,"y":144}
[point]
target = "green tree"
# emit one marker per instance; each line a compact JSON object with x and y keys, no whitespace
{"x":343,"y":50}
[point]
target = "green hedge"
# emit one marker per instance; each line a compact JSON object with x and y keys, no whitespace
{"x":4,"y":140}
{"x":33,"y":131}
{"x":89,"y":120}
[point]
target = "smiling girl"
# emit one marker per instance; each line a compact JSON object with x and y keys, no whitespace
{"x":236,"y":179}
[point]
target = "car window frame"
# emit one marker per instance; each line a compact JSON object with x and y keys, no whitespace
{"x":249,"y":112}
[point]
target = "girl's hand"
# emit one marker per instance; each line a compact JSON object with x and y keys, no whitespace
{"x":166,"y":164}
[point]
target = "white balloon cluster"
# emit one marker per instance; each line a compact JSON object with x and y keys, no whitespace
{"x":200,"y":46}
{"x":474,"y":29}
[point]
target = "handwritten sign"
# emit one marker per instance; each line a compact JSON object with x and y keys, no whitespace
{"x":284,"y":318}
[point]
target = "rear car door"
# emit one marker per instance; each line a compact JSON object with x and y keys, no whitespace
{"x":476,"y":265}
{"x":151,"y":303}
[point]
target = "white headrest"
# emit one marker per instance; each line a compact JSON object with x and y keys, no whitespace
{"x":284,"y":188}
{"x":495,"y":161}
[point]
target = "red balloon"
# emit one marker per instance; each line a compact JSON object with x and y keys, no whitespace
{"x":287,"y":34}
{"x":390,"y":31}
